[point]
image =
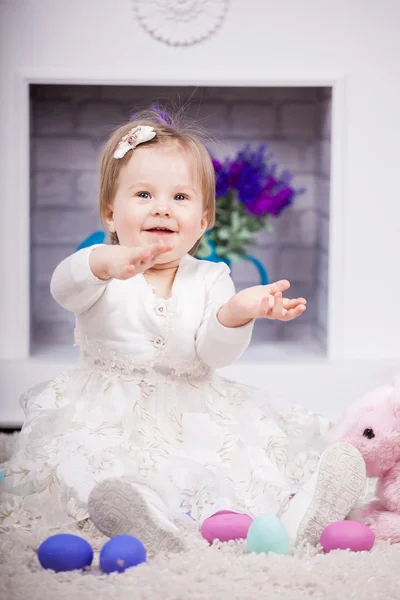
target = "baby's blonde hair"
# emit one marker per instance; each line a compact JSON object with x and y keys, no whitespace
{"x":169,"y":130}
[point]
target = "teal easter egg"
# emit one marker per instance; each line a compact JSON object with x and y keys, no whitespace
{"x":267,"y":534}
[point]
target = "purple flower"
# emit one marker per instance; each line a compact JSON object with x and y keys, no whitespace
{"x":221,"y":178}
{"x":269,"y":203}
{"x":235,"y":171}
{"x":254,"y":178}
{"x":248,"y":174}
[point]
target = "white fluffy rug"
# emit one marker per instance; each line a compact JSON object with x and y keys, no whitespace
{"x":223,"y":571}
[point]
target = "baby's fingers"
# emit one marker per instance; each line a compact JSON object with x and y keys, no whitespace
{"x":293,"y":313}
{"x":159,"y":248}
{"x":278,"y":286}
{"x":276,"y":311}
{"x":293,"y":302}
{"x":141,"y":257}
{"x":128,"y":271}
{"x":163,"y":246}
{"x":267,"y":304}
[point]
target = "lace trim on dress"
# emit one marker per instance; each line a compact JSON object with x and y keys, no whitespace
{"x":96,"y":356}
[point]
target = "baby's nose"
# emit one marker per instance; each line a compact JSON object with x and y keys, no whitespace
{"x":162,"y":207}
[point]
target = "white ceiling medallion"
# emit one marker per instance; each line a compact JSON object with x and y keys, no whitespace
{"x":180,"y":22}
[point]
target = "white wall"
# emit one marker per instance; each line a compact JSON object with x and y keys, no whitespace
{"x":68,"y":130}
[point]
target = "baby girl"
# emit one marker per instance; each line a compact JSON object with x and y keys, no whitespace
{"x":143,"y":436}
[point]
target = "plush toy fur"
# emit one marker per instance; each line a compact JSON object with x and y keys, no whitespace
{"x":372,"y":425}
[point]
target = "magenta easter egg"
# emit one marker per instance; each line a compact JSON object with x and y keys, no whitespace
{"x":226,"y":525}
{"x":347,"y":535}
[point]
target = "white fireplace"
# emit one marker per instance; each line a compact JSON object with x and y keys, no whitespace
{"x":68,"y":126}
{"x":91,"y":45}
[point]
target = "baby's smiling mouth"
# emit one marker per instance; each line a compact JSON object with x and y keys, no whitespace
{"x":160,"y":231}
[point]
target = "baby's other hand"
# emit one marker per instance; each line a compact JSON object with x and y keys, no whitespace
{"x":266,"y":301}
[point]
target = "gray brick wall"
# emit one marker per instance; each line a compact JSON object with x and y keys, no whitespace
{"x":69,"y":124}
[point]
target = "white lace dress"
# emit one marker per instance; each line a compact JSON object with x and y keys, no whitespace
{"x":145,"y":402}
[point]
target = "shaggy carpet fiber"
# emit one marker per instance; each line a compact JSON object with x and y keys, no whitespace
{"x":222,"y":571}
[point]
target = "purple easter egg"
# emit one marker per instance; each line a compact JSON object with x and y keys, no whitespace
{"x":347,"y":535}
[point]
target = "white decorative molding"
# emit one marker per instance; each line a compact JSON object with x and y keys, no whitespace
{"x":180,"y":22}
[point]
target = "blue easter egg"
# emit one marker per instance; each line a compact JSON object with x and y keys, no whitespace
{"x":267,"y":534}
{"x":120,"y":553}
{"x":65,"y":552}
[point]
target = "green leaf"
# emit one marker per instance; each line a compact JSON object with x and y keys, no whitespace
{"x":221,"y":251}
{"x":224,"y":233}
{"x":235,"y":228}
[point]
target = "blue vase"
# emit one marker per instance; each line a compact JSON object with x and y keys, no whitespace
{"x":98,"y":237}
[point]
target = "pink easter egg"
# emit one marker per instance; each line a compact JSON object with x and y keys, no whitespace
{"x":225,"y":526}
{"x":347,"y":535}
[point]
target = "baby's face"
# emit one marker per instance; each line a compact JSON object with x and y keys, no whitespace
{"x":157,"y":189}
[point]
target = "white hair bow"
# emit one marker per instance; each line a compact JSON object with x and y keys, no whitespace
{"x":137,"y":135}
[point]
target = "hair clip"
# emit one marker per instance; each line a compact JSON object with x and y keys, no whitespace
{"x":137,"y":135}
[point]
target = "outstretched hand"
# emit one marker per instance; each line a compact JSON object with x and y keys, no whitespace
{"x":123,"y":262}
{"x":261,"y":301}
{"x":267,"y":301}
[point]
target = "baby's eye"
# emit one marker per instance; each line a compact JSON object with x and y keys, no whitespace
{"x":180,"y":197}
{"x":144,"y":195}
{"x":369,"y":433}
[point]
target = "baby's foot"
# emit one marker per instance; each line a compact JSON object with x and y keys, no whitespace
{"x":328,"y":496}
{"x":119,"y":507}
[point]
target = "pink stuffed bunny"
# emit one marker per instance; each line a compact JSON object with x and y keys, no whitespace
{"x":372,"y":425}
